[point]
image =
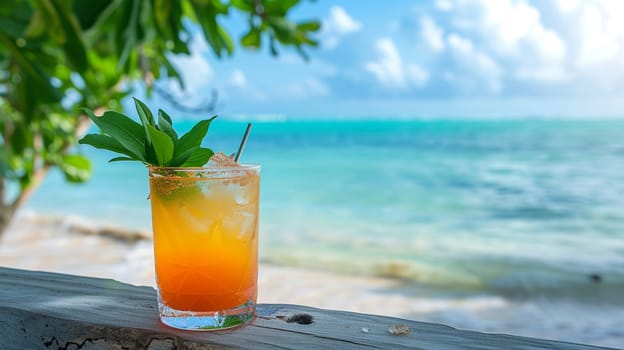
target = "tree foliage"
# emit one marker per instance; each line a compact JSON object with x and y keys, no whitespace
{"x":57,"y":56}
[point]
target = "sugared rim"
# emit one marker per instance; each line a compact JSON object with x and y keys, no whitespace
{"x":207,"y":168}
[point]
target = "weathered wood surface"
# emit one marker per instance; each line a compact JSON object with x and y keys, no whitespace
{"x":41,"y":310}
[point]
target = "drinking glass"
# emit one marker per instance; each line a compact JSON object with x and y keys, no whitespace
{"x":205,"y":223}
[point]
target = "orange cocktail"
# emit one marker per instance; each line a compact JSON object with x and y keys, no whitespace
{"x":205,"y":223}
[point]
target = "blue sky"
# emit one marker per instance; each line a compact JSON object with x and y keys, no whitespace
{"x":467,"y":58}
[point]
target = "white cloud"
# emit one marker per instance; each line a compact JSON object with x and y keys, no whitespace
{"x":512,"y":33}
{"x":596,"y":34}
{"x":197,"y":72}
{"x":548,"y":52}
{"x":472,"y":57}
{"x":432,"y":34}
{"x":336,"y":26}
{"x":577,"y":42}
{"x":416,"y":74}
{"x":509,"y":28}
{"x":340,"y":22}
{"x":567,"y":6}
{"x":508,"y":23}
{"x":552,"y":74}
{"x":316,"y":65}
{"x":390,"y":70}
{"x":239,"y":85}
{"x":306,"y":88}
{"x":195,"y":69}
{"x":459,"y":44}
{"x":444,"y":5}
{"x":598,"y":42}
{"x":475,"y":67}
{"x":547,"y":44}
{"x":387,"y":69}
{"x":315,"y":87}
{"x":615,"y":17}
{"x":238,"y":79}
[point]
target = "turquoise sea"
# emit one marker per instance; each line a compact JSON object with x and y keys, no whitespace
{"x":523,"y":209}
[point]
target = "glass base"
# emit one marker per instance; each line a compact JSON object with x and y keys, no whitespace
{"x":207,"y":320}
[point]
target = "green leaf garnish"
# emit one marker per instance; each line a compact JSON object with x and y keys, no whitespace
{"x":190,"y":141}
{"x":124,"y":130}
{"x":150,"y":142}
{"x":105,"y":142}
{"x":163,"y":145}
{"x":199,"y":156}
{"x":120,"y":159}
{"x":165,"y":124}
{"x":145,"y":115}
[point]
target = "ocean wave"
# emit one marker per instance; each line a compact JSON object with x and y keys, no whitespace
{"x":260,"y":118}
{"x":519,"y":281}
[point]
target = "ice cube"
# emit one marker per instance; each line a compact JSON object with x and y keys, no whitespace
{"x":220,"y":159}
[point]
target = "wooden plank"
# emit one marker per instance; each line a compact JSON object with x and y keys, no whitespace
{"x":42,"y":310}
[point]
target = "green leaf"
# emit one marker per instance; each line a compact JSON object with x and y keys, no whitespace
{"x":164,"y":123}
{"x":150,"y":154}
{"x":165,"y":116}
{"x":120,"y":159}
{"x":272,"y":46}
{"x":245,"y":5}
{"x":124,"y":130}
{"x":311,"y":26}
{"x":5,"y":164}
{"x":302,"y":53}
{"x":46,"y":91}
{"x":88,"y":12}
{"x":284,"y":29}
{"x":53,"y":23}
{"x":173,"y":72}
{"x":18,"y":139}
{"x":189,"y":141}
{"x":37,"y":25}
{"x":73,"y":45}
{"x":162,"y":11}
{"x":163,"y":145}
{"x":278,"y":7}
{"x":145,"y":115}
{"x":130,"y":33}
{"x":104,"y":142}
{"x":195,"y":136}
{"x":181,"y":155}
{"x":13,"y":28}
{"x":215,"y":35}
{"x":251,"y":39}
{"x":75,"y":167}
{"x":226,"y":41}
{"x":307,"y":40}
{"x":198,"y":158}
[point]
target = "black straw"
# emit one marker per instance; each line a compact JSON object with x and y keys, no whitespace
{"x":243,"y":142}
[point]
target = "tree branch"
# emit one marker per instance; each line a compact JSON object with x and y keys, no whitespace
{"x":259,"y":9}
{"x":205,"y":107}
{"x":6,"y":211}
{"x":40,"y":172}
